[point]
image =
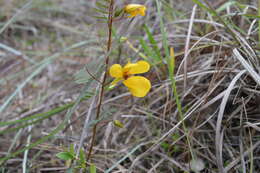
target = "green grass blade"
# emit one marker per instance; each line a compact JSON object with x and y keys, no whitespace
{"x":148,"y":51}
{"x":153,"y":43}
{"x":23,"y":9}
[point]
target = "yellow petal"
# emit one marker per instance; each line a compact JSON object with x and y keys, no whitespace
{"x":142,"y":11}
{"x":133,"y":14}
{"x":135,"y":9}
{"x":136,"y":68}
{"x":116,"y":71}
{"x":139,"y":86}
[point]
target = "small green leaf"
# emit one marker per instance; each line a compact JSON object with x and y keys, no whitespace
{"x":101,"y":18}
{"x":82,"y":156}
{"x":102,"y":5}
{"x":72,"y":151}
{"x":175,"y":136}
{"x":165,"y":145}
{"x":118,"y":12}
{"x":92,"y":168}
{"x":153,"y":42}
{"x":100,"y":11}
{"x":118,"y":124}
{"x":82,"y":160}
{"x":65,"y":156}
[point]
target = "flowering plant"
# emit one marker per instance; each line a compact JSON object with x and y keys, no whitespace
{"x":135,"y":9}
{"x":138,"y":86}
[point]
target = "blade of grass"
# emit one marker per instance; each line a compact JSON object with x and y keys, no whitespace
{"x":39,"y":115}
{"x":258,"y":23}
{"x":247,"y":66}
{"x":60,"y":127}
{"x":163,"y":31}
{"x":82,"y":96}
{"x":171,"y":67}
{"x":148,"y":50}
{"x":215,"y":14}
{"x":41,"y":118}
{"x":15,"y":139}
{"x":84,"y":132}
{"x":25,"y":156}
{"x":42,"y":65}
{"x":125,"y":157}
{"x":19,"y":12}
{"x":153,"y":43}
{"x":187,"y":46}
{"x":219,"y":132}
{"x":48,"y":113}
{"x":17,"y":53}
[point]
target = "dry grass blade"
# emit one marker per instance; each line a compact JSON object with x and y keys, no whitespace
{"x":201,"y":113}
{"x":237,"y":160}
{"x":84,"y":132}
{"x":187,"y":45}
{"x":248,"y":67}
{"x":219,"y":131}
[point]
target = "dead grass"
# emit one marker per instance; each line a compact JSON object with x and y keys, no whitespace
{"x":47,"y":46}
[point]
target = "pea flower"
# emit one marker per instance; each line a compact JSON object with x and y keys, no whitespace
{"x":134,"y":10}
{"x":138,"y":86}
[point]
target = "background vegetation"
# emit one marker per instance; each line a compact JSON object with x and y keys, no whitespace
{"x":201,"y":115}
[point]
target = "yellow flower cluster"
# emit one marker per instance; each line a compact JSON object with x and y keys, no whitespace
{"x":134,"y":10}
{"x":138,"y":86}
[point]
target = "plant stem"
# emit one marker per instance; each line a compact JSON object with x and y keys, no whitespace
{"x":103,"y":81}
{"x":258,"y":23}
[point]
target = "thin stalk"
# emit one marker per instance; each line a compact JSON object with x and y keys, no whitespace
{"x":103,"y":81}
{"x":177,"y":99}
{"x":259,"y":23}
{"x":171,"y":68}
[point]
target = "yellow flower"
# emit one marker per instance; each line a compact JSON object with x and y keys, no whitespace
{"x":135,"y":9}
{"x":138,"y":86}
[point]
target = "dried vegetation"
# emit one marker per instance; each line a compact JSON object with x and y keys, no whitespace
{"x":46,"y":47}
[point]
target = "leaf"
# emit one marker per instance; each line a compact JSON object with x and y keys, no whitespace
{"x":82,"y":156}
{"x":72,"y":151}
{"x":153,"y":42}
{"x":225,"y":6}
{"x":81,"y":77}
{"x":165,"y":145}
{"x":100,"y":11}
{"x":212,"y":12}
{"x":82,"y":159}
{"x":100,"y":17}
{"x":251,"y":16}
{"x":117,"y":123}
{"x":101,"y":5}
{"x":92,"y":168}
{"x":147,"y":50}
{"x":65,"y":156}
{"x":118,"y":12}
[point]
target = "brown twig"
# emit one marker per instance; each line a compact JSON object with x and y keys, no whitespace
{"x":101,"y":93}
{"x":93,"y":77}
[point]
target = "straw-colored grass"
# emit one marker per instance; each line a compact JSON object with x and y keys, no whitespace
{"x":201,"y":115}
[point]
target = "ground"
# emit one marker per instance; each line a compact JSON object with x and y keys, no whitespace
{"x":201,"y":114}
